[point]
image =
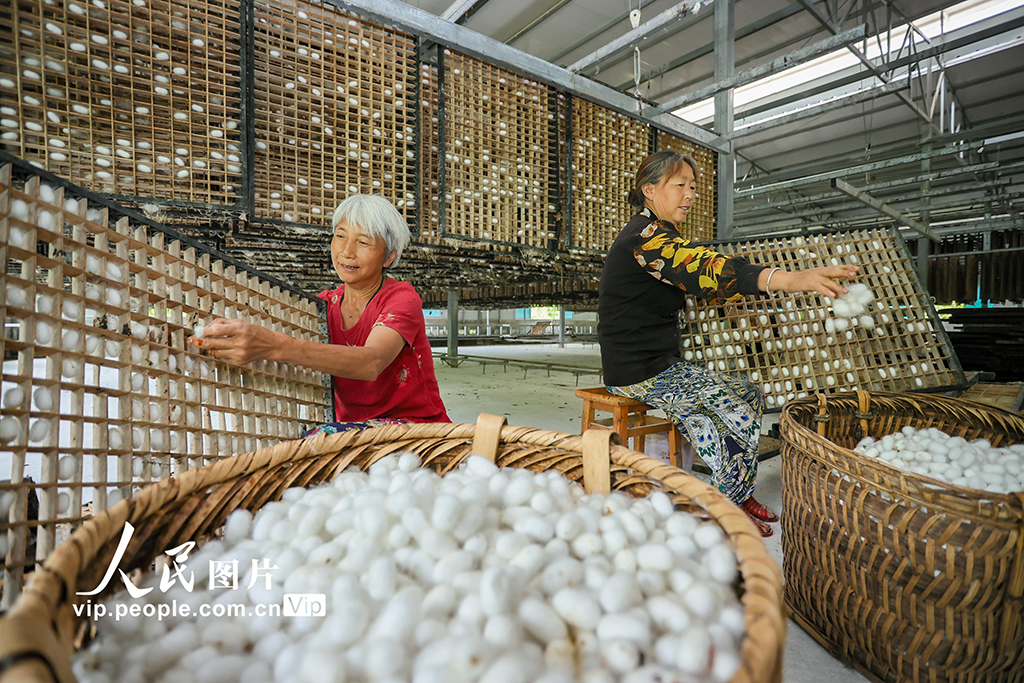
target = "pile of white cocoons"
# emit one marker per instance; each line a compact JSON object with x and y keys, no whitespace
{"x":498,"y":576}
{"x":933,"y":453}
{"x":851,"y":309}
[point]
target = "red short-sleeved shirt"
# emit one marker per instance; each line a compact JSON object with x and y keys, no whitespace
{"x":407,"y":388}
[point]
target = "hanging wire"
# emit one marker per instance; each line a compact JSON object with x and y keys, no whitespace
{"x":634,"y":19}
{"x":636,"y":72}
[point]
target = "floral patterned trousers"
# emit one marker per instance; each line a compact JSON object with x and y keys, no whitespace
{"x":719,"y":414}
{"x":335,"y":427}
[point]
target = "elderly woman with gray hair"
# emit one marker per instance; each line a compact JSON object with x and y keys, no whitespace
{"x":378,"y":356}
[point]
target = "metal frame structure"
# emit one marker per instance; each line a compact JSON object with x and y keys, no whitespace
{"x":414,"y":20}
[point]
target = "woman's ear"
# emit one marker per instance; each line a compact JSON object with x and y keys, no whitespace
{"x":648,"y":190}
{"x":391,"y":258}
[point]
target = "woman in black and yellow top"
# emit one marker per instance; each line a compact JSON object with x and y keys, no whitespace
{"x":649,"y":271}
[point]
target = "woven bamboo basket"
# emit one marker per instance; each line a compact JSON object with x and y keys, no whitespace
{"x":40,"y":634}
{"x":902,"y":576}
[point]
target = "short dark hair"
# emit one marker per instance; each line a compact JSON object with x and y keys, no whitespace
{"x":655,"y":167}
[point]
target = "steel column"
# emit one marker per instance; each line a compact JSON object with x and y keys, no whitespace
{"x":725,"y":62}
{"x":453,"y":328}
{"x":561,"y":326}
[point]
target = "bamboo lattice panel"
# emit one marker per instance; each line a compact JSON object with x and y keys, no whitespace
{"x":780,"y":342}
{"x":335,"y":112}
{"x":1005,"y":396}
{"x":429,"y":156}
{"x":607,"y":150}
{"x":130,"y":98}
{"x":100,"y":392}
{"x":700,"y":223}
{"x":498,"y":132}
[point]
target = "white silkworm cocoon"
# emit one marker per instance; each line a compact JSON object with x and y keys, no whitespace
{"x":621,"y":655}
{"x":655,"y":557}
{"x":71,"y":309}
{"x":625,"y":627}
{"x":44,"y":304}
{"x":668,"y":613}
{"x":720,"y":562}
{"x":562,"y":573}
{"x":587,"y":544}
{"x":694,"y":653}
{"x":39,"y":431}
{"x":541,"y":620}
{"x":114,"y":439}
{"x":44,"y":333}
{"x":526,"y":558}
{"x":10,"y":428}
{"x":63,"y":502}
{"x":43,"y":399}
{"x":71,"y":340}
{"x":14,"y":398}
{"x":619,"y":593}
{"x":578,"y":608}
{"x":16,"y":296}
{"x":66,"y":467}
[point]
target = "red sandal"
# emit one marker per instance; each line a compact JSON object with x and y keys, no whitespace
{"x":758,"y":511}
{"x":762,"y":527}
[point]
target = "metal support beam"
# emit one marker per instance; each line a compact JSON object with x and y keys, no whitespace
{"x":860,"y":195}
{"x":708,"y":48}
{"x":453,"y":328}
{"x":414,"y":20}
{"x":459,"y":9}
{"x":819,"y":109}
{"x":963,"y":170}
{"x":804,"y":54}
{"x":536,"y":22}
{"x":938,"y":48}
{"x":641,"y":32}
{"x":877,"y":71}
{"x":863,"y":168}
{"x":840,"y":212}
{"x":725,"y":62}
{"x":456,"y":12}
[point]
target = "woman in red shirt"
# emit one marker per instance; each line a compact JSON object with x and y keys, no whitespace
{"x":378,"y":356}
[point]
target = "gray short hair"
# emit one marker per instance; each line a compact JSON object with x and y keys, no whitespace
{"x":378,"y":218}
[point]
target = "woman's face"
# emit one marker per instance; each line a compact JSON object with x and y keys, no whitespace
{"x":358,"y":258}
{"x":671,"y":199}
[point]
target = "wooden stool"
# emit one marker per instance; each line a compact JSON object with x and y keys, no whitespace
{"x":630,"y":419}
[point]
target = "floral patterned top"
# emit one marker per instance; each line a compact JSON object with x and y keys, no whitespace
{"x":675,"y":260}
{"x":649,"y":271}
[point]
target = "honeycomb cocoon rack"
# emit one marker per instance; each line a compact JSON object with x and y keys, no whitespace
{"x":92,"y":383}
{"x":159,"y":151}
{"x":895,"y":345}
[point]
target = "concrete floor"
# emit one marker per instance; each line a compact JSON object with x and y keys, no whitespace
{"x":531,"y":398}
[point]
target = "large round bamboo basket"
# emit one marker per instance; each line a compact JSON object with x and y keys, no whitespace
{"x":38,"y":637}
{"x":905,"y":577}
